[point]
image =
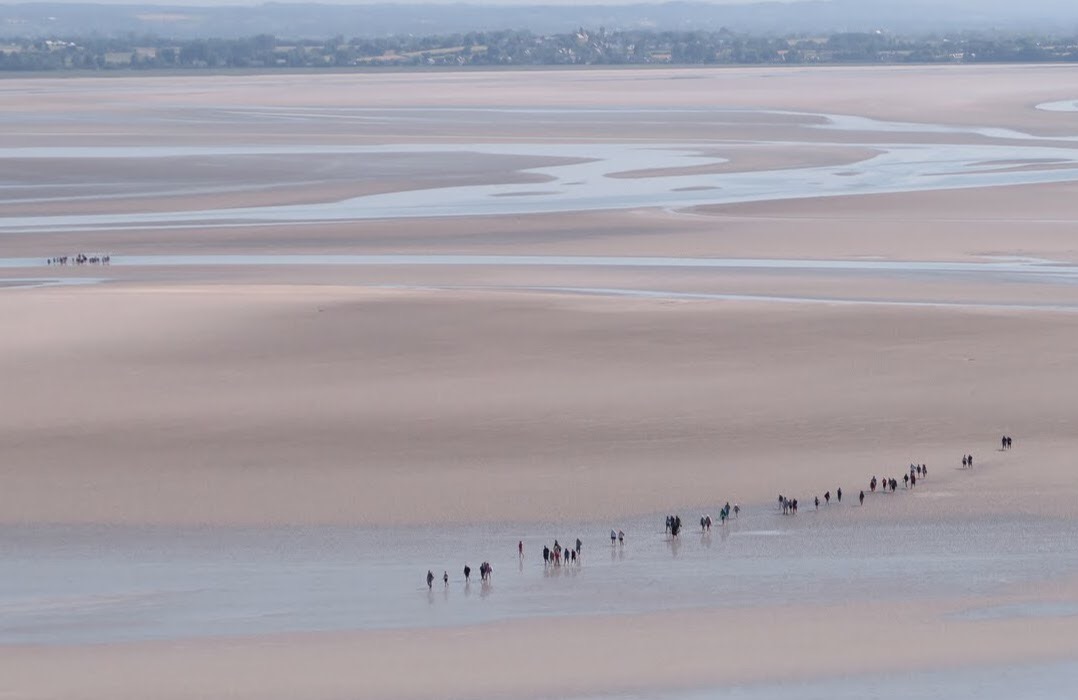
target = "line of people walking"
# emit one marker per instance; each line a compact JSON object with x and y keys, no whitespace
{"x":485,"y":572}
{"x":557,"y":555}
{"x":80,"y":259}
{"x":917,"y":471}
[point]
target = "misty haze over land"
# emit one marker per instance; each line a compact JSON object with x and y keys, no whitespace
{"x":314,"y":20}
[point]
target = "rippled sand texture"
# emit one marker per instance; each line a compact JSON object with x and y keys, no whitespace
{"x":359,"y":326}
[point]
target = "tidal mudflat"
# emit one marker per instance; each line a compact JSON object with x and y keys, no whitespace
{"x":358,"y":326}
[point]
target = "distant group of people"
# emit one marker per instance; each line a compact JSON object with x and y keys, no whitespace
{"x":485,"y":571}
{"x":724,"y":515}
{"x":557,"y":555}
{"x":80,"y":259}
{"x":909,"y":480}
{"x":888,"y":484}
{"x":917,"y":471}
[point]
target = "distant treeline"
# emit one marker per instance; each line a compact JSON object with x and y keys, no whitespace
{"x":520,"y":48}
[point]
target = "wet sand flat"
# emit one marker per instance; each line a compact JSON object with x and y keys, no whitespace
{"x":79,"y":584}
{"x":658,"y":655}
{"x":474,"y":308}
{"x":1026,"y":221}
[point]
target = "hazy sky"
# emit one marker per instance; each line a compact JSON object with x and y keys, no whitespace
{"x":205,"y":3}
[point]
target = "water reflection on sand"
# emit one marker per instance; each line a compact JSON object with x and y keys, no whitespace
{"x":1045,"y":270}
{"x":69,"y":584}
{"x":1052,"y":681}
{"x":992,"y":270}
{"x":971,"y":159}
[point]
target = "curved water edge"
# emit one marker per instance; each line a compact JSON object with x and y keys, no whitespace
{"x":1050,"y":269}
{"x":656,"y":294}
{"x":587,"y":185}
{"x":1008,"y":611}
{"x":37,"y":282}
{"x":1009,"y":268}
{"x":1060,"y":106}
{"x":1008,"y":681}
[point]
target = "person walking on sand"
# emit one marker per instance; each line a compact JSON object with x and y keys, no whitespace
{"x":861,"y":498}
{"x":965,"y":461}
{"x":614,"y":537}
{"x":970,"y":458}
{"x":445,"y":578}
{"x":520,"y":549}
{"x":579,"y":546}
{"x":839,"y":494}
{"x":827,"y":497}
{"x":467,"y":574}
{"x":737,"y":510}
{"x":817,"y":503}
{"x":621,"y":537}
{"x":430,"y":579}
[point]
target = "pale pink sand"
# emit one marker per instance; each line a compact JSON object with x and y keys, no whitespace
{"x":333,"y":404}
{"x":545,"y":658}
{"x":289,"y":396}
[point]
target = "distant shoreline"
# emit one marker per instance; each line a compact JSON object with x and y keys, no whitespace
{"x":405,"y":70}
{"x":523,"y":50}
